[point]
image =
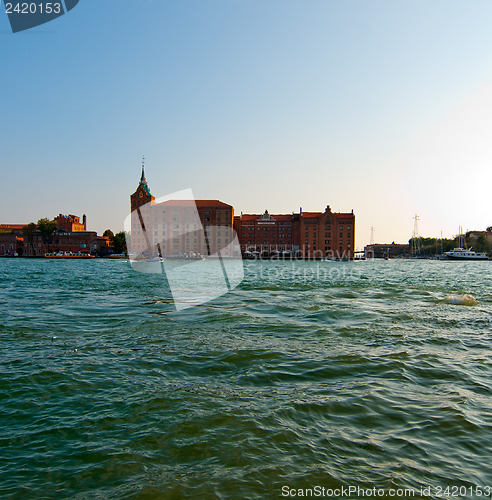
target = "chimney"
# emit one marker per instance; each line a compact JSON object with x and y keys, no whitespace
{"x":84,"y":221}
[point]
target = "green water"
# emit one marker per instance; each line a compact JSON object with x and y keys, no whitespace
{"x":308,"y":374}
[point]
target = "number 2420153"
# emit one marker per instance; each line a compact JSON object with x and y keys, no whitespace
{"x":33,"y":8}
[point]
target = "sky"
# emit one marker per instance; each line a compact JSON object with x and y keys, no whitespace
{"x":378,"y":106}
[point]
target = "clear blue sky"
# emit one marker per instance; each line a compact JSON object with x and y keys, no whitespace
{"x":383,"y":107}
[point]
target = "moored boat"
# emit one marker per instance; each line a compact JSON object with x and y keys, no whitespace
{"x":117,"y":256}
{"x":465,"y":254}
{"x":68,"y":255}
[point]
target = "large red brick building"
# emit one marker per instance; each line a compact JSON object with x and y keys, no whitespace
{"x":303,"y":234}
{"x":178,"y":227}
{"x":175,"y":227}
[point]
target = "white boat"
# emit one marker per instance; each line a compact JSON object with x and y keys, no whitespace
{"x":465,"y":254}
{"x":68,"y":255}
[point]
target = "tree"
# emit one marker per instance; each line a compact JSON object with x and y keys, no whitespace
{"x":489,"y":229}
{"x":29,"y":232}
{"x":108,"y":234}
{"x":119,"y":242}
{"x":47,"y":228}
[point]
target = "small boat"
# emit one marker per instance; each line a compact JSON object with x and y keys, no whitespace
{"x":68,"y":255}
{"x":117,"y":256}
{"x":155,"y":259}
{"x":465,"y":254}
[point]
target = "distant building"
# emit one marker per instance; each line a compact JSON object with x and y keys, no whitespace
{"x":15,"y":228}
{"x":303,"y":234}
{"x":474,"y":235}
{"x":71,"y":223}
{"x":386,"y":250}
{"x":10,"y":244}
{"x":177,"y":227}
{"x":70,"y":237}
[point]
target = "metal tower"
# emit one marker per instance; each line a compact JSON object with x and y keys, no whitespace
{"x":415,"y":246}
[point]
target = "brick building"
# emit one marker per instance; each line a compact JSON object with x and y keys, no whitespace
{"x":266,"y":233}
{"x":71,"y":223}
{"x":175,"y":227}
{"x":178,"y":227}
{"x":10,"y":244}
{"x":75,"y":240}
{"x":303,"y":234}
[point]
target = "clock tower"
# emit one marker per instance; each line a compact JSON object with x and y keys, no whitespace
{"x":142,"y":195}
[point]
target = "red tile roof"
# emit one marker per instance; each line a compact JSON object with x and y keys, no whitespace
{"x":250,"y":217}
{"x":311,"y":215}
{"x":190,"y":203}
{"x":12,"y":226}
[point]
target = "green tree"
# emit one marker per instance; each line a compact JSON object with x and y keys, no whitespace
{"x":489,"y":229}
{"x":108,"y":234}
{"x":29,"y":232}
{"x":47,"y":228}
{"x":481,"y":244}
{"x":432,"y":246}
{"x":119,"y":242}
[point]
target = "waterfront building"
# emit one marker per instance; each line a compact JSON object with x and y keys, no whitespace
{"x":303,"y":234}
{"x":10,"y":244}
{"x":175,"y":227}
{"x":71,"y":236}
{"x":265,"y":234}
{"x":178,"y":227}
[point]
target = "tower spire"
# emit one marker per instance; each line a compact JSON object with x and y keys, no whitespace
{"x":142,"y":178}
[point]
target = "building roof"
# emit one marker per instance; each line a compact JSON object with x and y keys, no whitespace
{"x":250,"y":217}
{"x":344,"y":215}
{"x":311,"y":215}
{"x":190,"y":203}
{"x":12,"y":226}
